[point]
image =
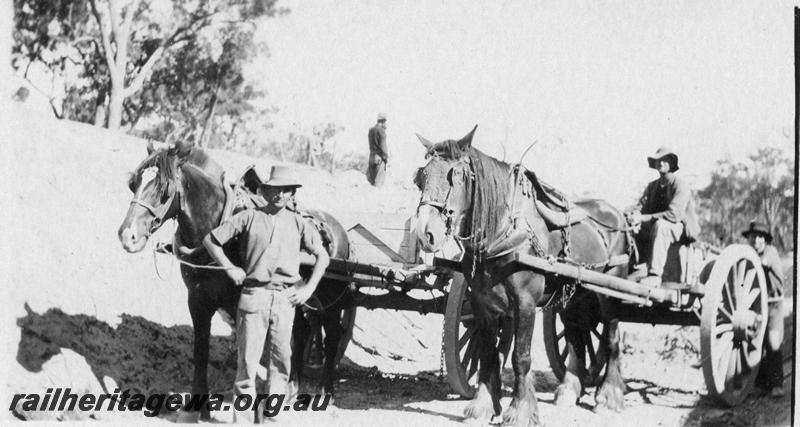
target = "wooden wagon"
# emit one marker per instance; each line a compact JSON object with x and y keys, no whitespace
{"x":722,"y":291}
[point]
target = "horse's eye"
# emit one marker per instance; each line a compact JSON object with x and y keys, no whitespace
{"x":454,"y":175}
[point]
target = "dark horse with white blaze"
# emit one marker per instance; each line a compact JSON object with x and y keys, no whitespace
{"x":182,"y":182}
{"x":490,"y":206}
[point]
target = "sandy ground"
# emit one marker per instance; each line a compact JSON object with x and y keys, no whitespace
{"x":98,"y":317}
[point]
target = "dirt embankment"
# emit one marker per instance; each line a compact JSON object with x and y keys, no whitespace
{"x":82,"y":312}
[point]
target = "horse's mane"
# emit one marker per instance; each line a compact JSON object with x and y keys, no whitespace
{"x":165,"y":161}
{"x":491,"y":187}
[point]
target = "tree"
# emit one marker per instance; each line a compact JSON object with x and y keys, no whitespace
{"x":120,"y":42}
{"x":760,"y":188}
{"x":200,"y":86}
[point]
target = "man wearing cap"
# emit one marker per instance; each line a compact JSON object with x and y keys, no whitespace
{"x":378,"y":152}
{"x":770,"y":374}
{"x":270,"y":242}
{"x":666,"y":214}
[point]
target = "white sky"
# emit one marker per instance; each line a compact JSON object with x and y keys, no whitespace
{"x":600,"y":85}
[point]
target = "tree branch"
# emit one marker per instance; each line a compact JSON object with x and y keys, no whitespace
{"x":137,"y":83}
{"x":144,"y":72}
{"x":105,"y":36}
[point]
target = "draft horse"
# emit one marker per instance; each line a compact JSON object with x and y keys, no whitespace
{"x":490,"y":206}
{"x":181,"y":182}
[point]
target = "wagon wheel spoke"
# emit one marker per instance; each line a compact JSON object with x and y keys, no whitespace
{"x":564,"y":352}
{"x":470,"y":360}
{"x":468,"y":333}
{"x":728,"y":296}
{"x":596,"y":333}
{"x":724,"y":358}
{"x":742,"y":285}
{"x":754,"y":287}
{"x":741,"y":270}
{"x":560,"y":335}
{"x":590,"y":349}
{"x":469,"y":353}
{"x":726,"y":315}
{"x":722,"y":329}
{"x":729,"y":366}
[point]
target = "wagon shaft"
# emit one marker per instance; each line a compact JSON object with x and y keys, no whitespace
{"x":620,"y":287}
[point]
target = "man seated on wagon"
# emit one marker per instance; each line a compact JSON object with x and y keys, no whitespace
{"x":665,"y":215}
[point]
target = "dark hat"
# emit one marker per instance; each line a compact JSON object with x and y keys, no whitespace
{"x":661,"y":153}
{"x":758,"y":228}
{"x":279,"y":176}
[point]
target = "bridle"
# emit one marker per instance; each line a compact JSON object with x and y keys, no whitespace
{"x":158,"y":213}
{"x":439,"y":197}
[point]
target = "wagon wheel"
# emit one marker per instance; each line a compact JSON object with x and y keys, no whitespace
{"x":313,"y":355}
{"x":555,"y":345}
{"x":460,"y":347}
{"x":734,"y":321}
{"x":460,"y":354}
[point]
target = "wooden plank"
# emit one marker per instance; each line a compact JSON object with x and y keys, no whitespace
{"x":597,"y":278}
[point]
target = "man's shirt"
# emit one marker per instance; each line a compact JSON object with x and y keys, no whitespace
{"x":771,"y":262}
{"x":270,"y":244}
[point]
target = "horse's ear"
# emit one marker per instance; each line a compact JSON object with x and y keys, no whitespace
{"x":466,"y":141}
{"x":425,"y":143}
{"x":183,"y":146}
{"x":153,"y":146}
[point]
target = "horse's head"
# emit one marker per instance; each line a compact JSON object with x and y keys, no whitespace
{"x":156,"y":188}
{"x":447,"y":184}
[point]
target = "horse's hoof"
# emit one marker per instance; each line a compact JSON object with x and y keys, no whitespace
{"x":566,"y":396}
{"x":609,"y":398}
{"x":517,"y":417}
{"x":481,"y":406}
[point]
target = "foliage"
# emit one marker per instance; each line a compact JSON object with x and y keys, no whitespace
{"x":199,"y":89}
{"x":104,"y":51}
{"x":761,"y":188}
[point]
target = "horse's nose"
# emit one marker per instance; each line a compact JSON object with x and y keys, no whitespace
{"x":127,"y":236}
{"x":434,"y":233}
{"x":430,"y":238}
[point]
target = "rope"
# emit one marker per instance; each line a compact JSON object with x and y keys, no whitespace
{"x":611,"y":227}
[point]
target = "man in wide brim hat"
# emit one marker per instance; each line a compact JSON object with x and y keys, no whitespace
{"x":756,"y":228}
{"x":770,"y":373}
{"x":279,"y":176}
{"x":271,"y":238}
{"x":664,"y":215}
{"x":663,"y":153}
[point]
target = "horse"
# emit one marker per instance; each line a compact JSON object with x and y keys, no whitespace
{"x":182,"y":182}
{"x":491,"y":207}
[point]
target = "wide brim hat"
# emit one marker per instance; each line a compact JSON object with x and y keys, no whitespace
{"x":661,"y":153}
{"x":279,"y":176}
{"x":758,"y":228}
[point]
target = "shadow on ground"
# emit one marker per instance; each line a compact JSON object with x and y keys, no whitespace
{"x":140,"y":355}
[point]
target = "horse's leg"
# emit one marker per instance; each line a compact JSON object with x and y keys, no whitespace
{"x":300,"y":331}
{"x":201,"y":311}
{"x":571,"y":387}
{"x":333,"y":335}
{"x":611,"y":393}
{"x":576,"y":332}
{"x":523,"y":410}
{"x":486,"y":402}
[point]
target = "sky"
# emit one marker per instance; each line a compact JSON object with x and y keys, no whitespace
{"x":598,"y":85}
